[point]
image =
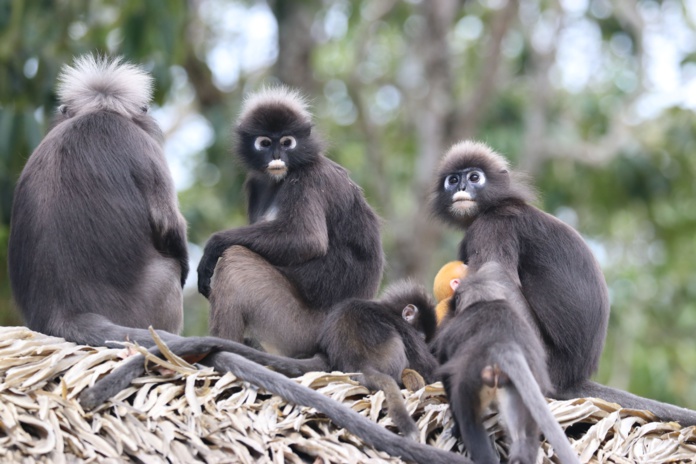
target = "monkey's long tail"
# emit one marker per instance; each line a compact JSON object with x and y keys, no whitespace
{"x":396,"y":407}
{"x":368,"y":431}
{"x":664,"y":411}
{"x":514,"y":364}
{"x":200,"y":347}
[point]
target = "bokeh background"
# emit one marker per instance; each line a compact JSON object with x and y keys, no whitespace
{"x":594,"y":98}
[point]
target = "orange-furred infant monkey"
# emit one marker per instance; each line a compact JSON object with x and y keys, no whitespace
{"x":446,"y":282}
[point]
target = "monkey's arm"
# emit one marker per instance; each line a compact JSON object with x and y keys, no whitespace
{"x":492,"y":238}
{"x":166,"y":222}
{"x":293,"y":238}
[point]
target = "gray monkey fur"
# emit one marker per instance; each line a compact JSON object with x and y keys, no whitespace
{"x":97,"y":248}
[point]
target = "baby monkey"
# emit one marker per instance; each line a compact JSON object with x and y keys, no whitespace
{"x":490,"y":352}
{"x":380,"y":338}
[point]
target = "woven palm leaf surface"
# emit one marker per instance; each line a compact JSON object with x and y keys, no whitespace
{"x":180,"y":413}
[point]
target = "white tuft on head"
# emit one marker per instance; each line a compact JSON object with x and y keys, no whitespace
{"x":470,"y":147}
{"x":96,"y":83}
{"x":278,"y":95}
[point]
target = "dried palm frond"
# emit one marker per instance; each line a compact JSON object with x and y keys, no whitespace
{"x":199,"y":415}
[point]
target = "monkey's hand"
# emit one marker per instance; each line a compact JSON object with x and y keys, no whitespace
{"x":213,"y":250}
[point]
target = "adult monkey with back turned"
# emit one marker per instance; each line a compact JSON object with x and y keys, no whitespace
{"x":97,"y":248}
{"x":312,"y":240}
{"x":559,"y":277}
{"x":490,"y":352}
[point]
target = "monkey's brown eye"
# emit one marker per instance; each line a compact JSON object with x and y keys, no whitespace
{"x":452,"y":179}
{"x":288,"y":141}
{"x":476,"y":177}
{"x":262,"y":142}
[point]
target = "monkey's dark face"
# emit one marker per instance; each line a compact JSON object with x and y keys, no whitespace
{"x":470,"y":179}
{"x":464,"y":186}
{"x":274,"y":140}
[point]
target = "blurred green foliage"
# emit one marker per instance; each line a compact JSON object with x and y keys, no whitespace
{"x":622,"y":178}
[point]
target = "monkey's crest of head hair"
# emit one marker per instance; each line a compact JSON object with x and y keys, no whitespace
{"x":96,"y":83}
{"x":277,"y":98}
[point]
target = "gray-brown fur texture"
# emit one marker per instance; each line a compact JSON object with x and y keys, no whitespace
{"x":560,"y":279}
{"x":380,"y":339}
{"x":312,"y":241}
{"x":97,"y":248}
{"x":489,"y":352}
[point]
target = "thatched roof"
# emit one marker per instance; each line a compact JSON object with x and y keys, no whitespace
{"x":193,"y":415}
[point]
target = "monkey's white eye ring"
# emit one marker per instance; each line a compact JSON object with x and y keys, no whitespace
{"x":288,"y":141}
{"x":476,"y":177}
{"x":262,"y":142}
{"x":452,"y":179}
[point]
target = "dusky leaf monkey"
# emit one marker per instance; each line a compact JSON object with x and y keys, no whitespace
{"x":446,"y":282}
{"x":97,"y":248}
{"x":563,"y":284}
{"x":312,"y":241}
{"x":381,"y":338}
{"x":490,"y":352}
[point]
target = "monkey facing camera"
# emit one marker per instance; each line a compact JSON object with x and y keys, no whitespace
{"x":97,"y":248}
{"x":312,"y":239}
{"x":567,"y":296}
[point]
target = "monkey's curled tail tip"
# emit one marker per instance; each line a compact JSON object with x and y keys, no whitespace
{"x":277,"y":95}
{"x":96,"y":83}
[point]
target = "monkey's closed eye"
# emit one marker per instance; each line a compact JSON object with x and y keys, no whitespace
{"x":63,"y":109}
{"x":288,"y":141}
{"x":262,"y":142}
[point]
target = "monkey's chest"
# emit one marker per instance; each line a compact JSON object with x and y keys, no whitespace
{"x":270,"y":214}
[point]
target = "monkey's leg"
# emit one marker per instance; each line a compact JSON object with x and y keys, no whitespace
{"x":521,"y":426}
{"x":466,"y":405}
{"x":396,"y":408}
{"x":249,"y":295}
{"x":465,"y":400}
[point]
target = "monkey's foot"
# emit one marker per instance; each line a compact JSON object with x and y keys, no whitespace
{"x":412,"y":380}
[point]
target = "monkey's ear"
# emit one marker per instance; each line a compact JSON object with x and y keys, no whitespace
{"x":63,"y":109}
{"x":145,"y":108}
{"x":454,"y":283}
{"x":409,"y":313}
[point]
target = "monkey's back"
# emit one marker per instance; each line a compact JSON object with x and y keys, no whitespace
{"x":80,"y":238}
{"x":352,"y":266}
{"x":356,"y":333}
{"x":556,"y":269}
{"x":471,"y":339}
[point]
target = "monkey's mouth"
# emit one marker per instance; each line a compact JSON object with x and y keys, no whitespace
{"x":277,"y":168}
{"x":462,"y":199}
